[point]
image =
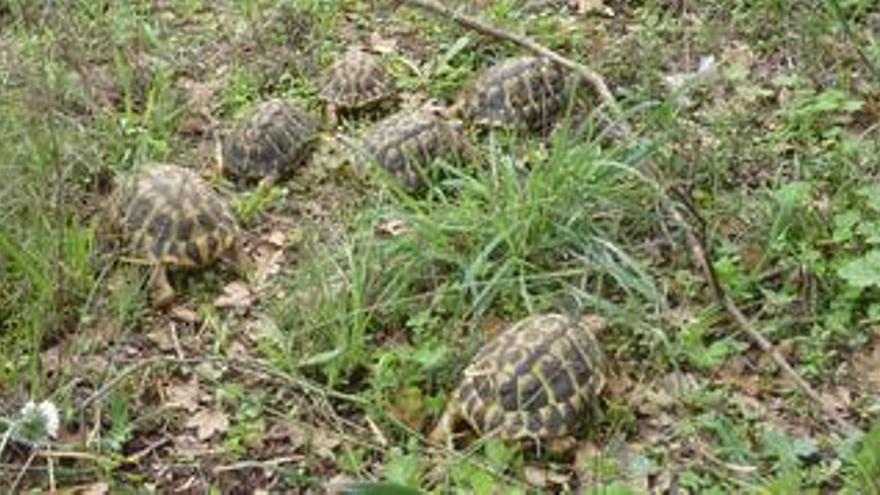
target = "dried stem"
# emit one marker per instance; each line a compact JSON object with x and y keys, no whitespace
{"x":591,"y":76}
{"x":695,"y":237}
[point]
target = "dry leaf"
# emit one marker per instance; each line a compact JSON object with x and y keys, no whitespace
{"x":183,"y":395}
{"x":391,"y":228}
{"x":380,"y":44}
{"x":592,"y":7}
{"x":161,"y":337}
{"x":276,"y":238}
{"x":208,"y":422}
{"x":268,"y":260}
{"x":99,"y":488}
{"x":200,"y":93}
{"x":337,"y":484}
{"x":543,"y":478}
{"x":323,"y":443}
{"x":292,"y":434}
{"x":236,"y":295}
{"x":184,"y":314}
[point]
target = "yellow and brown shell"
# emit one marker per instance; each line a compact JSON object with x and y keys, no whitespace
{"x":523,"y":92}
{"x":357,"y":79}
{"x":171,"y":216}
{"x":407,"y":142}
{"x":532,"y":381}
{"x":270,"y":142}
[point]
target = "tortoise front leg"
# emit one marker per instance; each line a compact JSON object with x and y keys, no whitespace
{"x":239,"y":260}
{"x":162,"y":292}
{"x":444,"y":431}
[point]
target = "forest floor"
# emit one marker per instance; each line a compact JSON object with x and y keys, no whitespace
{"x":333,"y":360}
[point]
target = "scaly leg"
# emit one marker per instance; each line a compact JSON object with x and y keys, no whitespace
{"x":162,"y":292}
{"x":239,"y":260}
{"x":444,"y":429}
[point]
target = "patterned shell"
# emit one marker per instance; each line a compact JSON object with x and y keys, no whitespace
{"x":520,"y":92}
{"x":533,"y":380}
{"x":270,"y":142}
{"x":407,"y":141}
{"x":171,"y":216}
{"x":357,"y":79}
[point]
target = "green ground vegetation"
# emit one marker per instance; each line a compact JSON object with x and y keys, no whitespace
{"x":336,"y":359}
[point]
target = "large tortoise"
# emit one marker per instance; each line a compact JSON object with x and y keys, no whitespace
{"x":532,"y":381}
{"x":173,"y":219}
{"x":357,"y":80}
{"x":406,"y":142}
{"x":269,"y":143}
{"x":524,"y":92}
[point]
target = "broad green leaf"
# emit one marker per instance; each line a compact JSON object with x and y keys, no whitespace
{"x":862,"y":272}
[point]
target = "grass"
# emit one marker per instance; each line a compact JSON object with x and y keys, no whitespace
{"x":348,"y":355}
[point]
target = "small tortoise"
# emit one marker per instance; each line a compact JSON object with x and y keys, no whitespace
{"x":269,"y":143}
{"x":171,"y":217}
{"x":532,"y":381}
{"x":356,"y":80}
{"x":409,"y":140}
{"x":520,"y":92}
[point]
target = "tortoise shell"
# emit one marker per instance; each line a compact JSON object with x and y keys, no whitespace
{"x":268,"y":143}
{"x":534,"y":380}
{"x":406,"y":142}
{"x":171,"y":216}
{"x":355,"y":80}
{"x":519,"y":92}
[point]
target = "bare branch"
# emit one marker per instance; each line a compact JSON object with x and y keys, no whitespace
{"x":591,"y":76}
{"x":695,"y":238}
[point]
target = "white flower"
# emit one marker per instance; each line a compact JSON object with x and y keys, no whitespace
{"x":41,"y":420}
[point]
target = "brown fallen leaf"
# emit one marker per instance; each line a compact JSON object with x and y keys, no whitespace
{"x":207,"y":422}
{"x":236,"y":295}
{"x":542,"y":477}
{"x":99,"y":488}
{"x":184,"y":314}
{"x":268,"y":260}
{"x":391,"y":228}
{"x":381,"y":44}
{"x":323,"y":443}
{"x":161,"y":337}
{"x":183,"y":395}
{"x":276,"y":238}
{"x":592,"y":7}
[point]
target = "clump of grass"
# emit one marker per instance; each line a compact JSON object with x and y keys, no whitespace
{"x":498,"y":240}
{"x":46,"y":265}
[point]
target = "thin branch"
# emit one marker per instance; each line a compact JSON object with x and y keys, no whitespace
{"x":593,"y":77}
{"x":695,"y":237}
{"x":699,"y":251}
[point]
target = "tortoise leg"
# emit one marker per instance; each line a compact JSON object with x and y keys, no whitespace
{"x":239,"y":260}
{"x":162,"y":292}
{"x":444,"y":429}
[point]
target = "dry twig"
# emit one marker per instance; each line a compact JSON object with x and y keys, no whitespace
{"x":696,"y":238}
{"x":591,"y":76}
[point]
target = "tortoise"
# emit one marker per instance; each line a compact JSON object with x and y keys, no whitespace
{"x":269,"y":143}
{"x":524,"y":92}
{"x":532,"y":381}
{"x":355,"y":81}
{"x":171,"y":217}
{"x":407,"y":141}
